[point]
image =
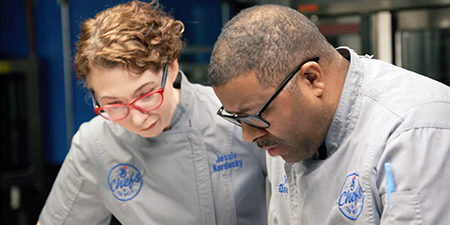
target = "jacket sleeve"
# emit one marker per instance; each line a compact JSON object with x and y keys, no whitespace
{"x":74,"y":198}
{"x":420,"y":164}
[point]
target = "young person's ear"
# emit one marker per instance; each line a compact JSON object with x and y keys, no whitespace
{"x":173,"y":71}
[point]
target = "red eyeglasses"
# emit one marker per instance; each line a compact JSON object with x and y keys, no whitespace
{"x":145,"y":103}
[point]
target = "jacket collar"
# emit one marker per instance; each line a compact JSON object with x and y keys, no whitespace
{"x":185,"y":100}
{"x":349,"y":105}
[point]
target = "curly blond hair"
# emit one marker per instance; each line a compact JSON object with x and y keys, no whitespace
{"x":136,"y":35}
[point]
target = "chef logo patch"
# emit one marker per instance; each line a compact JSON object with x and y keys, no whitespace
{"x":351,"y":198}
{"x":125,"y":181}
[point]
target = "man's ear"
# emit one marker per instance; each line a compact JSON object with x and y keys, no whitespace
{"x":312,"y":77}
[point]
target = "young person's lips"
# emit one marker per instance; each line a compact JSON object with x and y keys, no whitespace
{"x":149,"y":127}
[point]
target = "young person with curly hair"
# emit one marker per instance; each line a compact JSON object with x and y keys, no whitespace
{"x":157,"y":153}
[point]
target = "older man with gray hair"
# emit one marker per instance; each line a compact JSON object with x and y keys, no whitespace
{"x":353,"y":140}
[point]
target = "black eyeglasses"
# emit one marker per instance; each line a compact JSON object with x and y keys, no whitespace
{"x":255,"y":120}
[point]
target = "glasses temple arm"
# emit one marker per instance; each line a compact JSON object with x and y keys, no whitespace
{"x":94,"y":102}
{"x":164,"y":78}
{"x":288,"y":78}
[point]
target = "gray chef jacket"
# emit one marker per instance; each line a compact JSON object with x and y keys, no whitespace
{"x":198,"y":172}
{"x":385,"y":115}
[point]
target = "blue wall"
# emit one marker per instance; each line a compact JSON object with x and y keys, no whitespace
{"x":202,"y":19}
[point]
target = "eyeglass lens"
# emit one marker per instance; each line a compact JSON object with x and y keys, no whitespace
{"x":146,"y":103}
{"x":251,"y":120}
{"x":254,"y":122}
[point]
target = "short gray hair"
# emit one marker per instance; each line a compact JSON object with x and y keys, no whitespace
{"x":268,"y":40}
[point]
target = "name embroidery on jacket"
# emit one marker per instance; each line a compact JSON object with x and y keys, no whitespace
{"x":228,"y":161}
{"x":351,"y":198}
{"x":284,"y":187}
{"x":125,"y":181}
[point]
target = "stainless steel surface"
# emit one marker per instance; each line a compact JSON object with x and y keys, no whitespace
{"x":419,"y":19}
{"x":370,"y":6}
{"x":423,"y":42}
{"x":417,"y":37}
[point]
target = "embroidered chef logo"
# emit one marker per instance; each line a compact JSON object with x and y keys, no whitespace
{"x":226,"y":162}
{"x":125,"y":181}
{"x":351,"y":198}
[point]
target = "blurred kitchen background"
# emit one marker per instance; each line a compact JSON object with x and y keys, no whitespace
{"x":43,"y":105}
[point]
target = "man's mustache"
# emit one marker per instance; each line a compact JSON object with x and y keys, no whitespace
{"x":268,"y":142}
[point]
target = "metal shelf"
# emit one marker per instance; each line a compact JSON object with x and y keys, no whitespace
{"x":21,"y":130}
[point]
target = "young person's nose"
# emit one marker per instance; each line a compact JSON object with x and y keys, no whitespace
{"x":138,"y":117}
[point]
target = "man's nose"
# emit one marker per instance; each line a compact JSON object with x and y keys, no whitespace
{"x":251,"y":134}
{"x":138,"y":117}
